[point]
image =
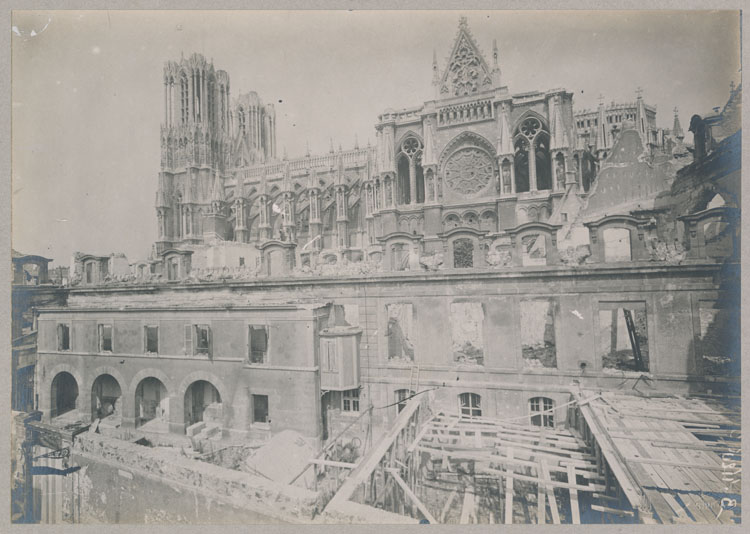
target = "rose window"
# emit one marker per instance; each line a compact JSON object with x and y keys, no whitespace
{"x":468,"y":171}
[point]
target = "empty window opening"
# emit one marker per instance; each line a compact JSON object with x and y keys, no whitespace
{"x":89,"y":273}
{"x":538,"y":344}
{"x":541,"y":412}
{"x":399,"y":331}
{"x":616,"y":244}
{"x":402,"y":396}
{"x":106,"y":397}
{"x":63,"y":337}
{"x":258,"y":341}
{"x":64,"y":394}
{"x":719,"y":339}
{"x":467,"y":327}
{"x":105,"y":338}
{"x":623,"y":336}
{"x":151,"y":335}
{"x":350,"y":401}
{"x":202,"y":335}
{"x":260,"y":409}
{"x":534,"y":249}
{"x":470,"y":404}
{"x":463,"y":253}
{"x":151,"y":403}
{"x":202,"y":403}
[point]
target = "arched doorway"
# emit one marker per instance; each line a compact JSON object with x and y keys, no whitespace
{"x":151,"y":402}
{"x":199,"y":396}
{"x":106,"y":397}
{"x":64,"y":394}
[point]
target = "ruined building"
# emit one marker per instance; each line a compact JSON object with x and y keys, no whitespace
{"x":508,"y":254}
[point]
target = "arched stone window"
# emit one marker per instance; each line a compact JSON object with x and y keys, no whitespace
{"x":64,"y":394}
{"x":184,"y":116}
{"x":470,"y":405}
{"x":532,"y":173}
{"x":241,"y":122}
{"x":452,"y":221}
{"x":541,"y":412}
{"x":411,"y":187}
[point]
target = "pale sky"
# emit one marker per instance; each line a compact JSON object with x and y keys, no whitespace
{"x":88,"y":91}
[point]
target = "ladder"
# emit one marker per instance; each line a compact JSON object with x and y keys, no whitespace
{"x":414,"y":379}
{"x":634,"y":340}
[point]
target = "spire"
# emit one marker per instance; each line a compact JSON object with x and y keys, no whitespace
{"x":640,"y":115}
{"x":340,"y":168}
{"x":677,"y":128}
{"x":435,"y":75}
{"x":504,"y":141}
{"x":307,"y":149}
{"x":356,"y":142}
{"x":263,"y":186}
{"x":287,"y":179}
{"x":601,"y":127}
{"x":495,"y":65}
{"x":331,"y":149}
{"x":284,"y":156}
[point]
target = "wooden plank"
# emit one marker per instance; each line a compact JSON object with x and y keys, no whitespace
{"x":425,"y":428}
{"x":509,"y":494}
{"x":551,"y":493}
{"x":574,"y":510}
{"x":331,"y":463}
{"x":613,"y":511}
{"x":673,"y":463}
{"x":407,"y":490}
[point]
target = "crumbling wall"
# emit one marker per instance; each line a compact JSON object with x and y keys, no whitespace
{"x":122,"y":482}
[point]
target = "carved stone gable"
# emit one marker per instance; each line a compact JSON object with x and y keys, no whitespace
{"x":467,"y":72}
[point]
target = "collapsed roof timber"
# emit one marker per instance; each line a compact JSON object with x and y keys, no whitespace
{"x":505,"y":312}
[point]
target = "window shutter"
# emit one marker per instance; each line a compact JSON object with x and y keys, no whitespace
{"x":210,"y":342}
{"x":188,"y":339}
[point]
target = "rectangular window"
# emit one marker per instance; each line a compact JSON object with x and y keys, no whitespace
{"x":467,"y":338}
{"x":260,"y":409}
{"x":541,"y":413}
{"x":538,"y":345}
{"x":399,"y":331}
{"x":105,"y":338}
{"x":63,"y":337}
{"x":89,"y":273}
{"x":258,"y":343}
{"x":242,"y":261}
{"x":623,"y":336}
{"x":202,"y":339}
{"x":350,"y":401}
{"x":151,"y":335}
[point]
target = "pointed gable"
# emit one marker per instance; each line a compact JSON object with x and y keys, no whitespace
{"x":467,"y":71}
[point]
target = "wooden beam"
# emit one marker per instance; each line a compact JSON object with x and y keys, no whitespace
{"x":468,"y":506}
{"x":509,"y":494}
{"x":574,"y":510}
{"x":422,"y":508}
{"x":426,"y":428}
{"x":550,"y":493}
{"x":624,"y":478}
{"x":447,"y":505}
{"x":541,"y":514}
